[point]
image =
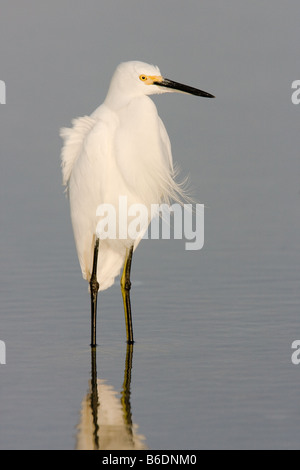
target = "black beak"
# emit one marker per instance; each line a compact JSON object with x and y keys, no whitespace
{"x":166,"y":83}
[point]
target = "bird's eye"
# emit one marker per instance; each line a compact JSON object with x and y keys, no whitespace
{"x":143,"y":78}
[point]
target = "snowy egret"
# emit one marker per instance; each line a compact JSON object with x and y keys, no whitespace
{"x":121,"y":149}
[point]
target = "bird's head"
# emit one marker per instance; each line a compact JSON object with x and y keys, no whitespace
{"x":138,"y":78}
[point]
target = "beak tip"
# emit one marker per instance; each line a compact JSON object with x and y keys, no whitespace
{"x":175,"y":86}
{"x":207,"y":95}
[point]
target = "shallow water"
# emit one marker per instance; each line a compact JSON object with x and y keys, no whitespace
{"x":211,"y":366}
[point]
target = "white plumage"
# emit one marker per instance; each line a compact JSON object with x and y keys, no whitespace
{"x":122,"y":149}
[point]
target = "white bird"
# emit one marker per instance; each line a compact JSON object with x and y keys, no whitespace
{"x":122,"y":149}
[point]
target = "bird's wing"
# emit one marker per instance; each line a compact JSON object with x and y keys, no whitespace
{"x":166,"y":143}
{"x":73,"y":140}
{"x":86,"y":161}
{"x":177,"y":191}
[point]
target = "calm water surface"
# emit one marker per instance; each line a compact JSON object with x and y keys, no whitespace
{"x":211,"y":367}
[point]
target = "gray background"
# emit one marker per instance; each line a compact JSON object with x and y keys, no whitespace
{"x":212,"y":363}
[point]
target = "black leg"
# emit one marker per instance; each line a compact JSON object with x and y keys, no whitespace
{"x":94,"y":287}
{"x":125,"y":287}
{"x":94,"y":399}
{"x":125,"y":394}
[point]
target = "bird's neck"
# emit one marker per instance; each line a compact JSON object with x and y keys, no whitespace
{"x":117,"y":98}
{"x":116,"y":101}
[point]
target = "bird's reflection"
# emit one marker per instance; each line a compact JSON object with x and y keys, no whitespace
{"x":106,"y":418}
